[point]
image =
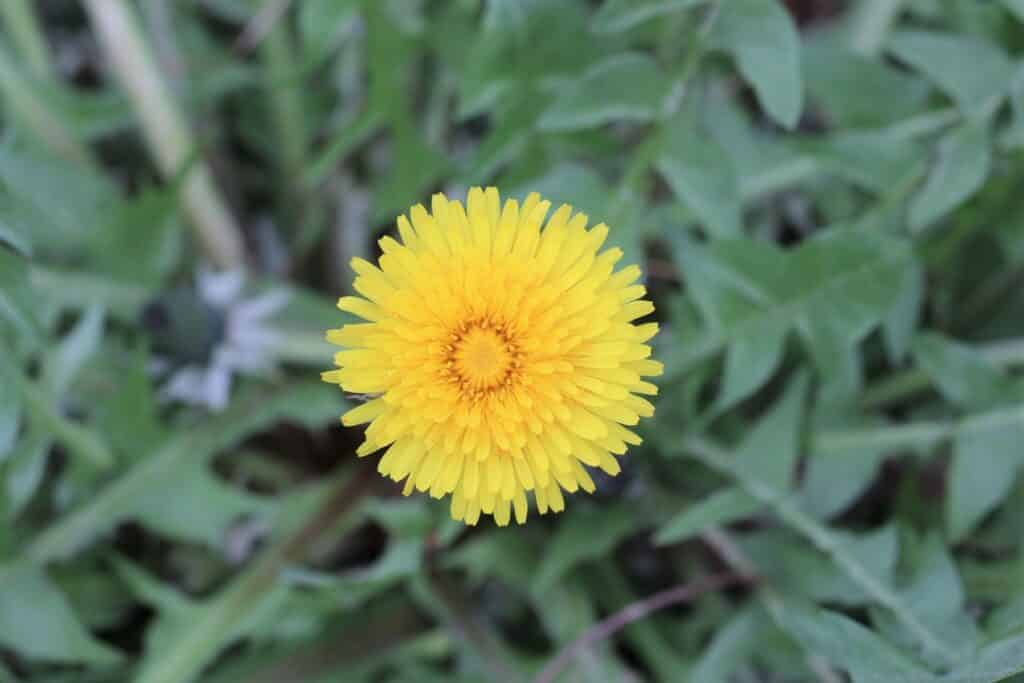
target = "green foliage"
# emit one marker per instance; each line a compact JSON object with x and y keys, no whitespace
{"x":824,"y":198}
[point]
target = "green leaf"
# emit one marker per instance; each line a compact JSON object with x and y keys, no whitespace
{"x":833,"y":480}
{"x":963,"y":162}
{"x":856,"y":91}
{"x":985,"y":463}
{"x":37,"y":622}
{"x":846,"y":558}
{"x":1016,"y":7}
{"x":793,"y":566}
{"x":769,"y":451}
{"x":324,"y":24}
{"x":309,"y":403}
{"x":624,"y":87}
{"x":833,"y":290}
{"x":904,"y":317}
{"x":586,"y":534}
{"x":997,"y":661}
{"x":10,"y":409}
{"x":702,"y":176}
{"x":721,"y":508}
{"x":74,"y":350}
{"x":935,"y":593}
{"x":846,"y":644}
{"x":17,"y":300}
{"x":963,"y":375}
{"x":161,"y":510}
{"x":973,"y":73}
{"x":123,"y":252}
{"x":84,"y":201}
{"x":15,"y":232}
{"x":621,"y":15}
{"x":762,"y":39}
{"x":733,"y":644}
{"x":875,"y":161}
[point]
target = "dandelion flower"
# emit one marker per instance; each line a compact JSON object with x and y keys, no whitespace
{"x":501,"y":354}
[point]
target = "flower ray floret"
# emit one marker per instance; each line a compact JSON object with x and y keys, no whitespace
{"x":502,"y":354}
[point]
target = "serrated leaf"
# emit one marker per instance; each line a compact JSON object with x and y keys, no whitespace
{"x":762,"y":38}
{"x":308,"y":403}
{"x":769,"y":451}
{"x":963,"y":375}
{"x":585,"y":534}
{"x":161,"y":509}
{"x":795,"y":567}
{"x":1015,"y":6}
{"x":37,"y":622}
{"x":624,"y":87}
{"x":973,"y":73}
{"x":846,"y":644}
{"x":721,"y":508}
{"x":832,"y":290}
{"x":832,"y":482}
{"x":85,"y":197}
{"x":731,"y":646}
{"x":875,"y":161}
{"x":856,"y":91}
{"x":17,"y":300}
{"x":73,"y":351}
{"x":935,"y":593}
{"x":997,"y":661}
{"x":621,"y":15}
{"x":902,"y":321}
{"x":10,"y":409}
{"x":702,"y":177}
{"x":324,"y":24}
{"x":986,"y":461}
{"x":848,"y":559}
{"x":963,"y":162}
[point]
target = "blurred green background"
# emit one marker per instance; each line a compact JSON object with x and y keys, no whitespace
{"x":825,"y":196}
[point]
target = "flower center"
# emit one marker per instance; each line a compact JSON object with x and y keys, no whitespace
{"x":482,"y":356}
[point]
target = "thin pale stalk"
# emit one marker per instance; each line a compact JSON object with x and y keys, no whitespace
{"x":165,"y":130}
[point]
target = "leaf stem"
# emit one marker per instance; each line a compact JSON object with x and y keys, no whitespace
{"x":821,"y":538}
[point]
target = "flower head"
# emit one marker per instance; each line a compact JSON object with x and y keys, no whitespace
{"x":502,"y":356}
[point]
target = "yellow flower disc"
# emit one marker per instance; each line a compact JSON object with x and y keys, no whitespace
{"x":500,"y":357}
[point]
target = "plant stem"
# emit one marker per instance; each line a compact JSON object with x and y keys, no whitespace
{"x":24,"y":28}
{"x":165,"y":130}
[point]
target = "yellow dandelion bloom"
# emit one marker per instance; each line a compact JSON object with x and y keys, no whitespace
{"x":502,"y":354}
